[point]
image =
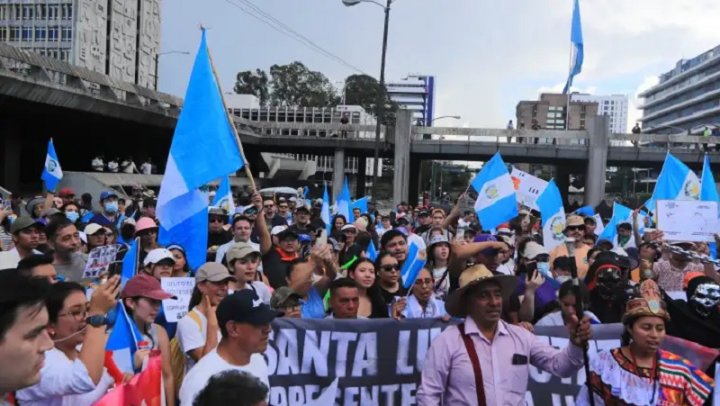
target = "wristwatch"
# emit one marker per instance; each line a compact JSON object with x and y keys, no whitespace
{"x":97,"y":320}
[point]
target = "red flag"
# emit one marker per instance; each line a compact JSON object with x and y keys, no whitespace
{"x":144,"y":389}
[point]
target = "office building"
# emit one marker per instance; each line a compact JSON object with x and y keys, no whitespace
{"x":248,"y":107}
{"x":415,"y":93}
{"x":614,"y":106}
{"x":119,"y":38}
{"x":549,"y":112}
{"x":687,"y":98}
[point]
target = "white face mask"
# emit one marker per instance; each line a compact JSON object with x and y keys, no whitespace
{"x":563,"y":278}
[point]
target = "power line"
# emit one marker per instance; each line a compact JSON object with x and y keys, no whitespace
{"x":259,"y":14}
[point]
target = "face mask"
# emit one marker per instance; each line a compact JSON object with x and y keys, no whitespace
{"x":705,"y":298}
{"x":623,"y":239}
{"x":544,"y":268}
{"x":111,"y":207}
{"x":563,"y":278}
{"x":73,"y":216}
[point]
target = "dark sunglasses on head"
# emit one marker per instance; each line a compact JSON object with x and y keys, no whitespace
{"x":576,"y":228}
{"x":390,"y":268}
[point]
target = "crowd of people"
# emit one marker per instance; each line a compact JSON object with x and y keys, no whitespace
{"x":276,"y":257}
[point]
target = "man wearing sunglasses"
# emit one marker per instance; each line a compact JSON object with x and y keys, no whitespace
{"x":574,"y":228}
{"x":217,"y":234}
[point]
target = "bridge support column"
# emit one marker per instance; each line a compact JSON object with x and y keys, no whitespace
{"x":562,"y":179}
{"x":403,"y":136}
{"x":338,"y":172}
{"x":597,"y":160}
{"x":10,"y":144}
{"x":414,"y":180}
{"x":361,"y":168}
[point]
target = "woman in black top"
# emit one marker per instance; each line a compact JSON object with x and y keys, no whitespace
{"x":372,"y":305}
{"x":388,"y":280}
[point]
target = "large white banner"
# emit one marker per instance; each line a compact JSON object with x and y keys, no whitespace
{"x":688,"y":220}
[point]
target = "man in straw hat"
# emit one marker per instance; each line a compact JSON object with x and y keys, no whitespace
{"x":484,"y":360}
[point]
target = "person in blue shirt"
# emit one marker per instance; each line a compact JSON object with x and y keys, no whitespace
{"x":300,"y":280}
{"x":108,"y":216}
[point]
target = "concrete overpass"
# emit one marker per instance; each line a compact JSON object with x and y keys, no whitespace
{"x":87,"y":113}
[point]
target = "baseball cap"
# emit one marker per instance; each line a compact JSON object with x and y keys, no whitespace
{"x":245,"y":307}
{"x":284,"y":297}
{"x":22,"y":223}
{"x":217,"y":211}
{"x":240,"y":250}
{"x":157,"y":255}
{"x":107,"y":194}
{"x":282,"y":232}
{"x":251,"y":210}
{"x":302,"y":208}
{"x":66,"y":192}
{"x":93,"y":228}
{"x":144,"y":285}
{"x":438,"y":239}
{"x":212,"y":272}
{"x":278,"y":229}
{"x":574,"y":221}
{"x":423,"y":213}
{"x":533,"y":249}
{"x":486,"y":238}
{"x":347,"y":227}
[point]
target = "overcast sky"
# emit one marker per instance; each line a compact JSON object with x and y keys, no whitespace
{"x":486,"y":55}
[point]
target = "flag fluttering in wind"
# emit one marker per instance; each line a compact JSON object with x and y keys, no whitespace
{"x":224,"y":198}
{"x":343,"y":203}
{"x":496,"y":202}
{"x":676,"y":182}
{"x":204,"y":148}
{"x":553,"y":216}
{"x":578,"y":51}
{"x":52,"y":172}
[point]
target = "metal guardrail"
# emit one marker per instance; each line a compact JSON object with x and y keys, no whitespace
{"x":30,"y":66}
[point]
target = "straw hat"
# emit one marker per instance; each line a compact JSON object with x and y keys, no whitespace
{"x":471,"y":277}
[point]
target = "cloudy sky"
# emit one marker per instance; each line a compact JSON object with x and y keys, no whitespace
{"x":486,"y":54}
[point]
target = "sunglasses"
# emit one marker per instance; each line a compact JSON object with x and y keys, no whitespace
{"x":390,"y":268}
{"x":268,"y":206}
{"x":576,"y":228}
{"x":217,"y":220}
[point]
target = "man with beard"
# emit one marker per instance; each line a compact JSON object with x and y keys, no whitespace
{"x":698,"y":318}
{"x":608,"y":288}
{"x":64,"y":238}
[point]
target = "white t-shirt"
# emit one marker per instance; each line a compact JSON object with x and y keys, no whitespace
{"x":191,"y":337}
{"x":212,"y":364}
{"x":556,"y":319}
{"x":64,"y":383}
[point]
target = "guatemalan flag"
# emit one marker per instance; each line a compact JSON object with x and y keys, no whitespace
{"x":52,"y":173}
{"x":411,"y":267}
{"x":676,"y":182}
{"x":343,"y":203}
{"x":204,"y":148}
{"x":578,"y":52}
{"x":496,"y":202}
{"x":708,"y":188}
{"x":224,"y":198}
{"x":553,"y":216}
{"x":123,"y":340}
{"x":325,"y":211}
{"x":621,"y":214}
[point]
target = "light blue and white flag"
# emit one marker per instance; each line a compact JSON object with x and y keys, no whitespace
{"x":325,"y":211}
{"x":585,"y":211}
{"x":496,"y":202}
{"x":224,"y":198}
{"x":361,"y":203}
{"x":204,"y":148}
{"x":411,"y":267}
{"x":52,"y":172}
{"x":709,"y":192}
{"x":123,"y":340}
{"x":553,"y":216}
{"x":578,"y":47}
{"x":621,"y":214}
{"x":343,"y":203}
{"x":372,"y":252}
{"x":129,"y":263}
{"x":676,"y":182}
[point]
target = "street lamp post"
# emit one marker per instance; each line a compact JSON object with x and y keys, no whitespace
{"x":380,"y":104}
{"x":157,"y":62}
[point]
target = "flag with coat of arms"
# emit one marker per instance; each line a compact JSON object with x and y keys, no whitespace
{"x":496,"y":202}
{"x":52,"y":173}
{"x":553,"y":216}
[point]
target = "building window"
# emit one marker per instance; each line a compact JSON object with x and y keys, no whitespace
{"x":52,"y":34}
{"x":41,"y":12}
{"x":67,"y":11}
{"x":14,"y":33}
{"x":40,"y":34}
{"x":66,"y":33}
{"x":27,"y":33}
{"x":3,"y":12}
{"x":53,"y":11}
{"x":28,"y":12}
{"x":3,"y":33}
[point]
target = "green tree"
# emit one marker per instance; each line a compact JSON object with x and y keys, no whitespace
{"x":256,"y":83}
{"x":296,"y":85}
{"x":363,"y":90}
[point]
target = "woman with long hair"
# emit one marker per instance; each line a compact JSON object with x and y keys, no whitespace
{"x":181,"y":267}
{"x":371,"y":304}
{"x":71,"y":376}
{"x":338,"y":221}
{"x":142,"y":297}
{"x":639,"y":372}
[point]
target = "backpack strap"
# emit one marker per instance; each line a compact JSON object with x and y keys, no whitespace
{"x":472,"y":353}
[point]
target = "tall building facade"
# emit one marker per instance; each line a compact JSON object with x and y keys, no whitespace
{"x":248,"y":107}
{"x":119,"y":38}
{"x":687,"y":98}
{"x":415,"y":93}
{"x":551,"y":112}
{"x":614,"y":106}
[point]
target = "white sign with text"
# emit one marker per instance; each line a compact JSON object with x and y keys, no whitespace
{"x":182,"y":288}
